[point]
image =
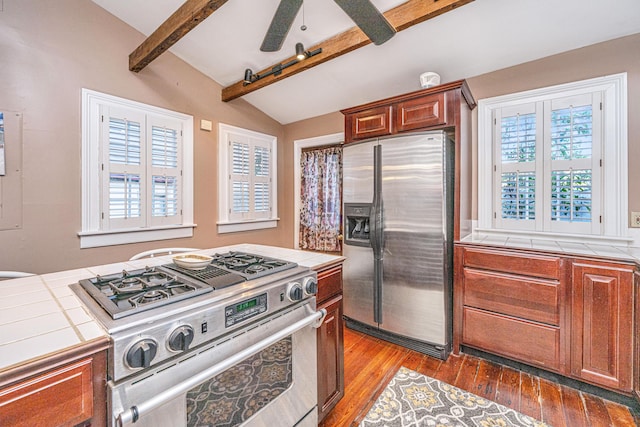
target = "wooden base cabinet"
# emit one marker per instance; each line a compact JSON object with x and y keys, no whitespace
{"x":572,"y":316}
{"x":510,"y":304}
{"x":602,"y":319}
{"x":330,"y":341}
{"x":71,"y":392}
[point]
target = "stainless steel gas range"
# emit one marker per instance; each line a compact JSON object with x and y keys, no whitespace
{"x":230,"y":344}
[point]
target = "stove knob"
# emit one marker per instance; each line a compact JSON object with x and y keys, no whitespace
{"x":310,"y":286}
{"x":181,"y":338}
{"x":294,"y":291}
{"x":141,"y":353}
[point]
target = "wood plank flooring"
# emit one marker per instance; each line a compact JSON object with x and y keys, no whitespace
{"x":370,"y":363}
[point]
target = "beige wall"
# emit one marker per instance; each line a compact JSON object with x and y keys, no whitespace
{"x":49,"y":51}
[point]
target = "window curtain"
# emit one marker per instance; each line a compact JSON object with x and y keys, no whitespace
{"x":321,"y":198}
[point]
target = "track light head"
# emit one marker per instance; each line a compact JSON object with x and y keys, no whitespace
{"x":300,"y":53}
{"x":248,"y":76}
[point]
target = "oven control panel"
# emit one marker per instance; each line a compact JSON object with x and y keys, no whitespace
{"x":245,"y":309}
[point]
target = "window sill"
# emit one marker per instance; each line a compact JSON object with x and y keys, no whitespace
{"x":94,"y":239}
{"x":233,"y":227}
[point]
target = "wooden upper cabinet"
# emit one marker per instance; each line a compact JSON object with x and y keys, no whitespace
{"x":424,"y":112}
{"x":371,"y":123}
{"x":433,"y":108}
{"x":602,"y":319}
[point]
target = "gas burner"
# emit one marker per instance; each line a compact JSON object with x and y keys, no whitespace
{"x":149,"y":296}
{"x":256,"y":268}
{"x":249,"y":265}
{"x":127,"y":285}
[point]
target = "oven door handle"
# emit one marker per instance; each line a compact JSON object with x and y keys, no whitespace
{"x":132,"y":414}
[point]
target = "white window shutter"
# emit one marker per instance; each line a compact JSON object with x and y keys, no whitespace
{"x":122,"y":172}
{"x":164,"y":160}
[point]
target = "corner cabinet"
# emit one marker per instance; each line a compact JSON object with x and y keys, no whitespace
{"x":330,"y":340}
{"x":446,"y":107}
{"x":568,"y":315}
{"x":68,"y":389}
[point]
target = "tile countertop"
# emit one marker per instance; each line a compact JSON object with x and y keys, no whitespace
{"x":40,"y":315}
{"x":609,"y":252}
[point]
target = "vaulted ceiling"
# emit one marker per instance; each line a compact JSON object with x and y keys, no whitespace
{"x":471,"y":39}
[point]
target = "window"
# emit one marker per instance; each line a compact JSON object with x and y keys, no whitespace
{"x":137,"y":172}
{"x":247,"y":186}
{"x":553,"y":160}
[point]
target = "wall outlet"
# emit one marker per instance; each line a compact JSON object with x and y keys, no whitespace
{"x":635,"y":219}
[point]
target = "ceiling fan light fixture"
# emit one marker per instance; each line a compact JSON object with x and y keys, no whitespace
{"x":300,"y":53}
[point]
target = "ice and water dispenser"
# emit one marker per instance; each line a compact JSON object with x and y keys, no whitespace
{"x":356,"y":224}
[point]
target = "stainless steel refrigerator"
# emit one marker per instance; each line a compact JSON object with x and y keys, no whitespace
{"x":398,"y":239}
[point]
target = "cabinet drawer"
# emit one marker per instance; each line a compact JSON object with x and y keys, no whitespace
{"x":369,"y":123}
{"x":421,"y":113}
{"x":517,"y":263}
{"x":530,"y":343}
{"x":329,"y":283}
{"x":63,"y":397}
{"x":532,"y":299}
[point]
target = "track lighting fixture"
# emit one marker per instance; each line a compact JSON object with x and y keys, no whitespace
{"x":301,"y":54}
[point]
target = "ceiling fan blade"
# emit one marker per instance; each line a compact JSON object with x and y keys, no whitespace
{"x":280,"y":25}
{"x":369,"y":19}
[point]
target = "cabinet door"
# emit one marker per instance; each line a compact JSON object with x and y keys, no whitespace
{"x":424,"y":112}
{"x":63,"y":397}
{"x":602,"y":315}
{"x":330,"y":358}
{"x":369,"y":123}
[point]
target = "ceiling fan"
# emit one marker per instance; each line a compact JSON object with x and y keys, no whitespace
{"x":362,"y":12}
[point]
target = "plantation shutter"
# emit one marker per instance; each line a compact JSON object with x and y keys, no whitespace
{"x":262,"y":181}
{"x":239,"y":179}
{"x":547,"y":165}
{"x":517,"y":180}
{"x":249,"y":179}
{"x":165,"y":169}
{"x":573,"y":141}
{"x":123,"y":168}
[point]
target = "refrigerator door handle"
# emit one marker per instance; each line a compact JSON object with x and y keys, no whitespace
{"x":377,"y":233}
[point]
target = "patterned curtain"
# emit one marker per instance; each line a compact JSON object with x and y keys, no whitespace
{"x":321,"y":199}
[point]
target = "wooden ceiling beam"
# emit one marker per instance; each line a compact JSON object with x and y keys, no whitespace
{"x":183,"y":20}
{"x":400,"y":17}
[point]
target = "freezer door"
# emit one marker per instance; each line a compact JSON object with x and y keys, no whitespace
{"x":415,"y":224}
{"x":357,"y":164}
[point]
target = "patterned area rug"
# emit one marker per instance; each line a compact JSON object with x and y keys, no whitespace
{"x":412,"y":399}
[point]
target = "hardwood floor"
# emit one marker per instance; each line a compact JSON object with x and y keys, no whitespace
{"x":370,"y":364}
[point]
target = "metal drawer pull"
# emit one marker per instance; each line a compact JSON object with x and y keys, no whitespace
{"x":135,"y":412}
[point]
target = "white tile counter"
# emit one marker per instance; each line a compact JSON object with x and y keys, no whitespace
{"x":610,"y":252}
{"x":40,"y":315}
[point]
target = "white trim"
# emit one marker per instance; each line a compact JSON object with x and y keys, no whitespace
{"x":94,"y":239}
{"x":298,"y":145}
{"x":92,"y":235}
{"x":232,"y":227}
{"x":615,"y":192}
{"x":225,"y":224}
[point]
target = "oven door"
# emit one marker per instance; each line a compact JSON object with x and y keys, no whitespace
{"x":262,"y":375}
